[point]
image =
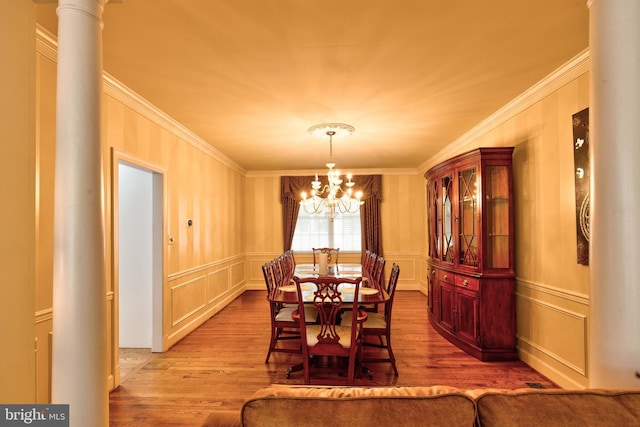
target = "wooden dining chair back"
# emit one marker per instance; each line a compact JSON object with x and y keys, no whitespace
{"x":368,"y":263}
{"x":328,"y":337}
{"x":363,"y":258}
{"x":332,"y":257}
{"x":292,"y":259}
{"x":379,"y":325}
{"x":268,"y":279}
{"x":286,"y":268}
{"x":375,"y":277}
{"x":377,"y":274}
{"x":276,"y":270}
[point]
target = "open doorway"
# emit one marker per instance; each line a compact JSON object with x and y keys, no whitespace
{"x":139,"y":252}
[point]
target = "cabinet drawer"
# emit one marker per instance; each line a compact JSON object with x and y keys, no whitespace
{"x":467,"y":282}
{"x":446,"y":276}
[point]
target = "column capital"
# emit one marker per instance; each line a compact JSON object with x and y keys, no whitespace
{"x":93,"y":8}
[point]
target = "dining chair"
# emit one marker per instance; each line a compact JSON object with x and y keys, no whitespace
{"x":287,"y":267}
{"x":369,"y":263}
{"x":276,"y":270}
{"x":377,"y":274}
{"x":379,"y":324}
{"x":282,"y":274}
{"x":289,"y":254}
{"x":283,"y":326}
{"x":332,"y":257}
{"x":376,"y":280}
{"x":366,"y":261}
{"x":328,"y":337}
{"x":364,"y":257}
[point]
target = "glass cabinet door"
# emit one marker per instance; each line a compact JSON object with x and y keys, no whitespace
{"x":468,"y":217}
{"x":496,"y":182}
{"x":447,"y":218}
{"x":433,"y":219}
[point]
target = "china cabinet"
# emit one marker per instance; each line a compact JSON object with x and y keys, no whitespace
{"x":471,"y":276}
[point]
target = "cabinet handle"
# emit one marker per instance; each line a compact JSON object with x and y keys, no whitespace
{"x":446,"y":277}
{"x":465,"y":282}
{"x":433,"y":272}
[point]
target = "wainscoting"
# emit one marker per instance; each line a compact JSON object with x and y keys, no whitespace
{"x":552,"y":331}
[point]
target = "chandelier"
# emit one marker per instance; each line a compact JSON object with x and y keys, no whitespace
{"x":332,"y":199}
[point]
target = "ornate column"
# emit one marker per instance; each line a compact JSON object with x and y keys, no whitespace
{"x":79,"y":371}
{"x":614,"y":344}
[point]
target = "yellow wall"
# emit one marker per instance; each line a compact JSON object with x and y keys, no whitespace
{"x":552,"y":288}
{"x":45,"y":158}
{"x":17,"y":202}
{"x":204,"y":265}
{"x":403,"y":221}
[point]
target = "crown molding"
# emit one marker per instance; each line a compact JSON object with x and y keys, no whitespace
{"x":571,"y":70}
{"x":311,"y":172}
{"x":47,"y":45}
{"x":140,"y":105}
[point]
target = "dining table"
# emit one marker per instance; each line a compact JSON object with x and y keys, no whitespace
{"x":369,"y":292}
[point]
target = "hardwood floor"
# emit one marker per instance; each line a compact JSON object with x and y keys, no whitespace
{"x":219,"y":365}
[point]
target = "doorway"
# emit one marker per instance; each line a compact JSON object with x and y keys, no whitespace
{"x":139,"y":257}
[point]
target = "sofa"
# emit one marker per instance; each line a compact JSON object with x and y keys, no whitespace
{"x":310,"y":406}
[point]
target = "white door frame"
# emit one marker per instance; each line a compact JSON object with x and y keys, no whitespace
{"x":159,"y":246}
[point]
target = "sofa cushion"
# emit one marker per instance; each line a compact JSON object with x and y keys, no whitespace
{"x":358,"y":406}
{"x":223,"y":418}
{"x":530,"y":407}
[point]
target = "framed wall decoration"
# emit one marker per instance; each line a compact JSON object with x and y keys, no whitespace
{"x":582,"y":175}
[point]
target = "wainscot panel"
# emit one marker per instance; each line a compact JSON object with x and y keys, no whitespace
{"x":552,"y":332}
{"x":217,"y":284}
{"x":187,"y":298}
{"x":237,"y":274}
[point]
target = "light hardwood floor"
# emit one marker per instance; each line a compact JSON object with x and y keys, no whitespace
{"x":132,"y":359}
{"x":221,"y":364}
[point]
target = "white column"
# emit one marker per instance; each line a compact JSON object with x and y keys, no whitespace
{"x":79,"y":292}
{"x":614,"y":345}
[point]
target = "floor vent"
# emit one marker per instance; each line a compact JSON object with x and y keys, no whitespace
{"x":535,"y":385}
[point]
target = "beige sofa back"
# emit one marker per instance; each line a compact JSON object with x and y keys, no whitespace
{"x":310,"y":406}
{"x":557,"y":408}
{"x":317,"y":406}
{"x":355,"y":406}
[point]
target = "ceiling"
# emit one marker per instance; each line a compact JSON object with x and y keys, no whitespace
{"x":250,"y":76}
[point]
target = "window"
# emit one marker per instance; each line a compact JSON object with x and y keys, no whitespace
{"x":317,"y":231}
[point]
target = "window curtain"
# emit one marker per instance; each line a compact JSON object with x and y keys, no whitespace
{"x":371,"y":187}
{"x":290,"y":189}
